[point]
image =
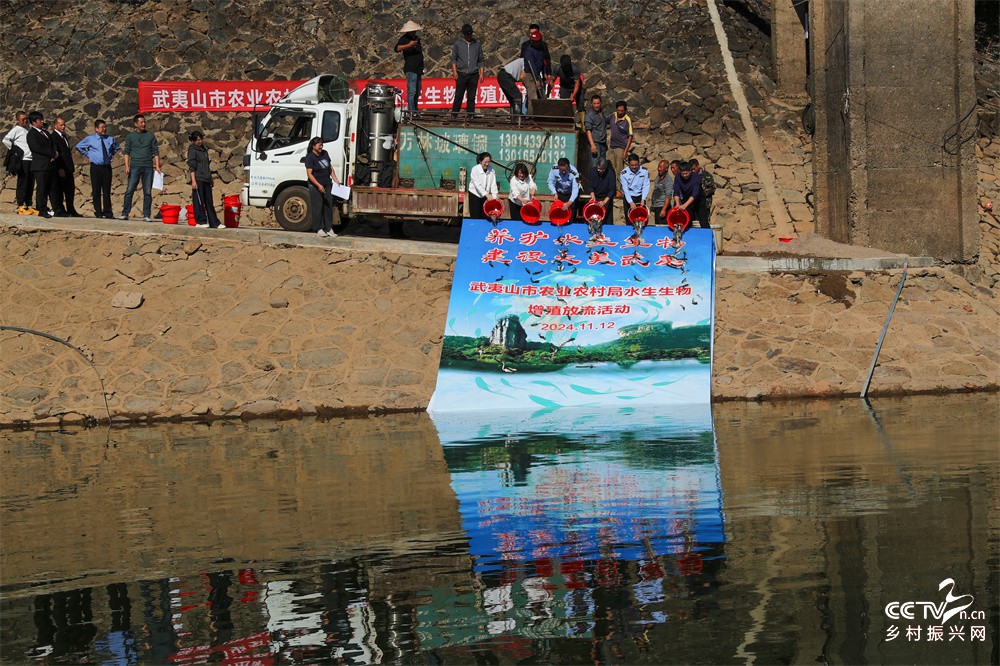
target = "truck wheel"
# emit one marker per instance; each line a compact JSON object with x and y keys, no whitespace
{"x":291,"y":209}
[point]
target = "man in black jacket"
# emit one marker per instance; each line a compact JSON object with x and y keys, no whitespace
{"x":44,"y":156}
{"x":64,"y":185}
{"x":537,"y":62}
{"x":603,"y":186}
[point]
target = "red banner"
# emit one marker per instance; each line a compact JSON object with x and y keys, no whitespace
{"x":188,"y":96}
{"x":184,"y":96}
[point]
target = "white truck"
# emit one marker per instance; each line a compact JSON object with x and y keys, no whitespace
{"x":398,"y":165}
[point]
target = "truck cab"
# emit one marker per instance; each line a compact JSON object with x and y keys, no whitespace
{"x":276,"y":176}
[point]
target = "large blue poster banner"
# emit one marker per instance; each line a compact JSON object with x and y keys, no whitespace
{"x":545,"y":317}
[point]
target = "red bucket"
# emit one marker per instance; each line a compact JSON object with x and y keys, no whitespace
{"x":190,"y":211}
{"x":558,"y":215}
{"x":232,"y":207}
{"x":593,"y":210}
{"x":493,"y":209}
{"x":678,"y":217}
{"x":531,"y":212}
{"x":639,"y":214}
{"x":170,"y":214}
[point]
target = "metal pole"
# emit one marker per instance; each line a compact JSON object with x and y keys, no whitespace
{"x":885,"y":328}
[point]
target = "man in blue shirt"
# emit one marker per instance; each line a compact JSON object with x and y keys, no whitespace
{"x":99,"y":148}
{"x":635,"y":183}
{"x":563,"y":182}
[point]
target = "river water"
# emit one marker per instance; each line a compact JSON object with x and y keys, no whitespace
{"x":798,"y":532}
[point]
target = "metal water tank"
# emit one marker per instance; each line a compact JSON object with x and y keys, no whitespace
{"x":381,"y":121}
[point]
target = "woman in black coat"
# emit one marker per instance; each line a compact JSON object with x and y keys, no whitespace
{"x":200,"y":171}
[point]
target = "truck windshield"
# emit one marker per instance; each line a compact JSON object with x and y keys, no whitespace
{"x":285,"y":128}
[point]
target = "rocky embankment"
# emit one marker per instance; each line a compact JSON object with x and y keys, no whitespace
{"x":191,"y":324}
{"x":669,"y":70}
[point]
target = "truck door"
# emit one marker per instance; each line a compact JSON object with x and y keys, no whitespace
{"x":331,"y":131}
{"x":279,"y":151}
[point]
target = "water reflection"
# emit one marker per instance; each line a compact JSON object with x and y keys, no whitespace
{"x":583,"y":524}
{"x":612,"y":538}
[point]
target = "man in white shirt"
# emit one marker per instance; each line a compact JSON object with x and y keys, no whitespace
{"x":507,"y":78}
{"x":18,"y":136}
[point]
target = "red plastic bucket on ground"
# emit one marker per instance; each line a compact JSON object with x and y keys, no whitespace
{"x":678,"y":217}
{"x":170,"y":214}
{"x":190,"y":211}
{"x":231,"y":214}
{"x":531,"y":212}
{"x":638,"y":214}
{"x":493,"y":209}
{"x":558,"y":214}
{"x":593,"y":210}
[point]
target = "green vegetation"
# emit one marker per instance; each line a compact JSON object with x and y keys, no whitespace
{"x":638,"y":342}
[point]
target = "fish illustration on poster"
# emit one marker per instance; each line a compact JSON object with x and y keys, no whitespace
{"x":544,"y":317}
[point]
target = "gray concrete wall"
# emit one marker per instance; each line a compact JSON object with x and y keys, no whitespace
{"x":894,"y":91}
{"x":831,"y":170}
{"x":788,"y":47}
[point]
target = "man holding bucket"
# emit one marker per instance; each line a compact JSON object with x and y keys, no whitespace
{"x":687,"y":191}
{"x":603,"y":189}
{"x":563,"y":182}
{"x":663,"y":192}
{"x":635,"y":183}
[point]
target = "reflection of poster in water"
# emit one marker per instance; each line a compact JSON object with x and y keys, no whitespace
{"x":540,"y":317}
{"x":569,"y":510}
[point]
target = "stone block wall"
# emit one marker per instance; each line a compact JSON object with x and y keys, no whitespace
{"x":191,"y":327}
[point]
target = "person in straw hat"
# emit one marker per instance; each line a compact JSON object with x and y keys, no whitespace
{"x":413,"y":61}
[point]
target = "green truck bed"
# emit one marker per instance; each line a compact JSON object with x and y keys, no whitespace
{"x":430,"y":155}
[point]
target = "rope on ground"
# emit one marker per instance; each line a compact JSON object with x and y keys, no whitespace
{"x":104,"y":393}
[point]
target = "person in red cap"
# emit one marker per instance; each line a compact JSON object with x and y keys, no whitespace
{"x":537,"y":61}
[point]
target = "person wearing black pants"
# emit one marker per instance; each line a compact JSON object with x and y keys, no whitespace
{"x":200,"y":170}
{"x":467,"y":68}
{"x":100,"y":189}
{"x":507,"y":78}
{"x":43,"y":159}
{"x":319,"y":173}
{"x":100,"y":148}
{"x":25,"y":186}
{"x":65,"y":183}
{"x":17,"y":138}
